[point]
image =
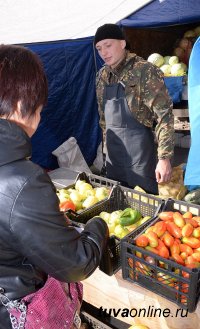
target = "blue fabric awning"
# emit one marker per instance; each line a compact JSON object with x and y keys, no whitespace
{"x":70,"y":68}
{"x":72,"y":107}
{"x":163,"y":13}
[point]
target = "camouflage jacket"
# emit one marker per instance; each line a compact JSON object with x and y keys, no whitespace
{"x":146,"y":95}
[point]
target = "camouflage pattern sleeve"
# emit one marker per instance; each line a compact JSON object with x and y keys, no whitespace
{"x":157,"y":99}
{"x":99,"y":93}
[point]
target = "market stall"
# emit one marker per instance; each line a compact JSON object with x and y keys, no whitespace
{"x":135,"y":284}
{"x":107,"y":287}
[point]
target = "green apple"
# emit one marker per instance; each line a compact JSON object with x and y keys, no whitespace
{"x":70,"y":190}
{"x":75,"y":196}
{"x":101,"y":192}
{"x":111,"y":227}
{"x":78,"y":205}
{"x":143,"y":220}
{"x":124,"y":233}
{"x":89,"y":201}
{"x":114,"y":217}
{"x":120,"y":231}
{"x":89,"y":192}
{"x":79,"y":183}
{"x":63,"y":195}
{"x":105,"y":215}
{"x":83,"y":188}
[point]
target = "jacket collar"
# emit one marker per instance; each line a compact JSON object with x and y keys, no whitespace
{"x":14,"y":142}
{"x":129,"y":57}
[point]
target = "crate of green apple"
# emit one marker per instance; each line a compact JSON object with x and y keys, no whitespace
{"x":123,"y":214}
{"x":84,"y":193}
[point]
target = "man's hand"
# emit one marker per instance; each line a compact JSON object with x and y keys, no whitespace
{"x":163,"y":171}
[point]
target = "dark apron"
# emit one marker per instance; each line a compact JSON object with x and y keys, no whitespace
{"x":131,"y":152}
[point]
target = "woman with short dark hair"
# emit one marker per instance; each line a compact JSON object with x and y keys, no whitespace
{"x":41,"y":256}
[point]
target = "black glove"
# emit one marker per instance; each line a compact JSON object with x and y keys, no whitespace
{"x":96,"y":230}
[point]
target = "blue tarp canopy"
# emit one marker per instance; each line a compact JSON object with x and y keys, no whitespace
{"x":72,"y":107}
{"x":71,"y":69}
{"x":164,"y":13}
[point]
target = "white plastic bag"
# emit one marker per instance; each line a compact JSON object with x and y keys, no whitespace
{"x":69,"y":156}
{"x":98,"y":162}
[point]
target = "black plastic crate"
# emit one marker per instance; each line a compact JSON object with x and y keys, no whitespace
{"x":165,"y":277}
{"x":111,"y":260}
{"x":95,"y":181}
{"x":144,"y":198}
{"x":181,"y":206}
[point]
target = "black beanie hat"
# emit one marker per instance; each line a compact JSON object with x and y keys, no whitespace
{"x":108,"y":31}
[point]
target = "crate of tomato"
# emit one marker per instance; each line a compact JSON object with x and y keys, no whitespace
{"x":123,"y":213}
{"x":165,"y":256}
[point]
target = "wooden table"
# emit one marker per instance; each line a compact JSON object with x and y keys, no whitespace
{"x":112,"y":292}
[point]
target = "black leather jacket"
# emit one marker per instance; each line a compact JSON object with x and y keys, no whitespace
{"x":35,"y":240}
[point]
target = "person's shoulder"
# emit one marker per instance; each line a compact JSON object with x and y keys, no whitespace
{"x":101,"y":74}
{"x":101,"y":71}
{"x":134,"y":59}
{"x":137,"y":63}
{"x":147,"y":67}
{"x":140,"y":61}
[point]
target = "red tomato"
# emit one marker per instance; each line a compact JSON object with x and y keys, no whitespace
{"x":142,"y":241}
{"x":185,"y":248}
{"x":142,"y":268}
{"x":190,"y":260}
{"x":192,"y":242}
{"x":187,"y":214}
{"x":166,"y":215}
{"x":164,"y":252}
{"x":187,"y":230}
{"x":196,"y":256}
{"x":160,"y":244}
{"x":153,"y":239}
{"x":196,"y":232}
{"x":178,"y":219}
{"x":67,"y":205}
{"x":175,"y":248}
{"x":160,"y":228}
{"x":168,"y":239}
{"x":174,"y":230}
{"x":178,"y":259}
{"x":154,"y":250}
{"x":197,"y":218}
{"x":192,"y":221}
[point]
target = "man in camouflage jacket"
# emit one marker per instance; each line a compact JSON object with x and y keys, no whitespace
{"x":144,"y":89}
